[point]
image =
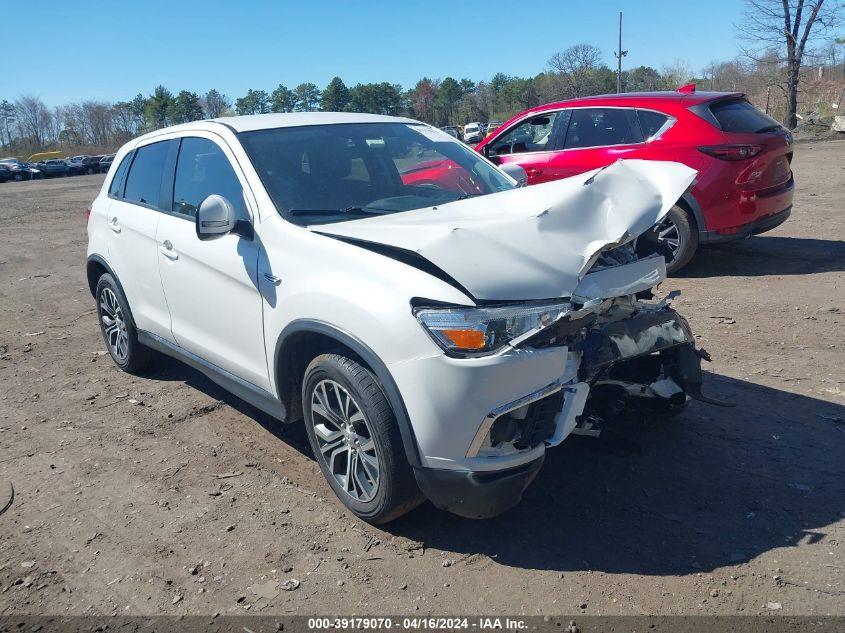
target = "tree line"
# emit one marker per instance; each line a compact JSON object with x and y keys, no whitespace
{"x":770,"y":74}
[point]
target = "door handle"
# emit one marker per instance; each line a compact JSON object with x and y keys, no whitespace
{"x":166,"y":249}
{"x":533,"y":171}
{"x":114,"y":226}
{"x":273,"y":279}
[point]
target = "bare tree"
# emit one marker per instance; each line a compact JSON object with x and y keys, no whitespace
{"x":788,"y":24}
{"x":578,"y":67}
{"x":32,"y":119}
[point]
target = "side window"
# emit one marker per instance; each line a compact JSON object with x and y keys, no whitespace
{"x":651,"y":121}
{"x":201,"y":170}
{"x":116,"y":187}
{"x":143,"y":184}
{"x":532,"y":135}
{"x":598,"y":127}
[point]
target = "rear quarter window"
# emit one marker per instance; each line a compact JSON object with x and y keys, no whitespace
{"x":651,"y":122}
{"x":116,"y":187}
{"x":738,"y":115}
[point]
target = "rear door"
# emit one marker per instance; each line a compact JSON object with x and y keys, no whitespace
{"x":134,"y":211}
{"x":529,"y":143}
{"x":596,"y":137}
{"x":211,"y":286}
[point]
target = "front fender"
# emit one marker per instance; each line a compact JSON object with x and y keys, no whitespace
{"x":366,"y":354}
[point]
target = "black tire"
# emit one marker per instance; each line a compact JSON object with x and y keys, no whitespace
{"x":132,"y":356}
{"x":396,"y":492}
{"x":18,"y":177}
{"x":685,"y":231}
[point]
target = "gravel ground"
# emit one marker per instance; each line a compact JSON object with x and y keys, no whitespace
{"x":164,"y":495}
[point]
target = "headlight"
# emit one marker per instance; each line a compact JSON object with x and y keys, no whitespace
{"x":485,"y":330}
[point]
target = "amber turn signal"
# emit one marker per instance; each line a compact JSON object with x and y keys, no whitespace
{"x":465,"y":339}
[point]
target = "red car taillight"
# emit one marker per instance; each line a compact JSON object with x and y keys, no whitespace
{"x":87,"y":213}
{"x":731,"y":152}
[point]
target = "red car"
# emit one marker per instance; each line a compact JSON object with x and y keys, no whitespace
{"x":743,"y":157}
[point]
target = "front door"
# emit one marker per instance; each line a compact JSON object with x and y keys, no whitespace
{"x":530,"y":144}
{"x":211,"y":285}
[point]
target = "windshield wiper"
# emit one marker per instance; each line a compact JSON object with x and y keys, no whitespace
{"x":347,"y":210}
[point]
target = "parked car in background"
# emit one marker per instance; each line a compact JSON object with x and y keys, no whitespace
{"x":91,"y":164}
{"x":492,"y":127}
{"x":743,"y":158}
{"x":75,"y":165}
{"x":433,"y":343}
{"x":53,"y":167}
{"x":452,"y":131}
{"x":22,"y":170}
{"x":5,"y":173}
{"x":473,"y":133}
{"x":105,"y":163}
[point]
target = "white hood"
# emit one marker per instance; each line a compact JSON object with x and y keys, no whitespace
{"x":535,"y":242}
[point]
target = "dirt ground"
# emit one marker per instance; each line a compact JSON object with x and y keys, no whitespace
{"x":164,"y":495}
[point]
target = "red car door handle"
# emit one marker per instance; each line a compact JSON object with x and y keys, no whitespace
{"x":533,"y":171}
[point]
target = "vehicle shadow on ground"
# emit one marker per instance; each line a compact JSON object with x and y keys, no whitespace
{"x":767,"y":255}
{"x":171,"y":370}
{"x":713,"y":487}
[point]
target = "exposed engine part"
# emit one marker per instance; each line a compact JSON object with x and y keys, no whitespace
{"x":588,"y":425}
{"x":616,"y":256}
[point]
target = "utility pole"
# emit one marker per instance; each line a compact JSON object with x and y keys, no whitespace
{"x":619,"y":55}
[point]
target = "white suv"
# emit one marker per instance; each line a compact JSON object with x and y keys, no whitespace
{"x":435,"y":326}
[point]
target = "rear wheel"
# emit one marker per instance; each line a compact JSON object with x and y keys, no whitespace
{"x":355,"y":439}
{"x":675,"y":237}
{"x":118,"y":330}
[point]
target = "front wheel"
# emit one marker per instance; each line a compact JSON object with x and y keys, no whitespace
{"x":355,"y":439}
{"x":117,"y":327}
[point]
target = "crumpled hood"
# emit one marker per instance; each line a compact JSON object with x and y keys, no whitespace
{"x":535,"y":242}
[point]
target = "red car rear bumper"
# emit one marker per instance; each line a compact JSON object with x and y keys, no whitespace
{"x":749,"y":213}
{"x":760,"y":225}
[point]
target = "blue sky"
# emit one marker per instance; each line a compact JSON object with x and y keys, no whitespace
{"x":86,"y":49}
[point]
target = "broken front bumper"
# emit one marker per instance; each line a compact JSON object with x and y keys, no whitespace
{"x":635,"y":351}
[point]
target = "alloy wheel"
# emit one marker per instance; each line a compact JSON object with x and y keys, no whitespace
{"x":345,"y":440}
{"x":668,"y":235}
{"x":114,"y":324}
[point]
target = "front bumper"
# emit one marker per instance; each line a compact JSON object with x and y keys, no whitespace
{"x":477,"y":495}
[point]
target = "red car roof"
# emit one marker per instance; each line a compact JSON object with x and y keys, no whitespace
{"x":642,"y":99}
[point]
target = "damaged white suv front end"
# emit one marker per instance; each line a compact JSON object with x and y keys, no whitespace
{"x":562,"y":334}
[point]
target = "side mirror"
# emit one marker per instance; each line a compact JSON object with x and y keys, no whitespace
{"x":489,"y":154}
{"x":215,"y":217}
{"x":516,"y":172}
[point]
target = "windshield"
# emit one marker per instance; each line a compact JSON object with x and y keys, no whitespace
{"x":330,"y":173}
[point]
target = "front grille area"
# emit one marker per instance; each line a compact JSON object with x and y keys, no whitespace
{"x":536,"y":426}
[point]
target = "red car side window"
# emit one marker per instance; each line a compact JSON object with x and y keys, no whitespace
{"x":598,"y":127}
